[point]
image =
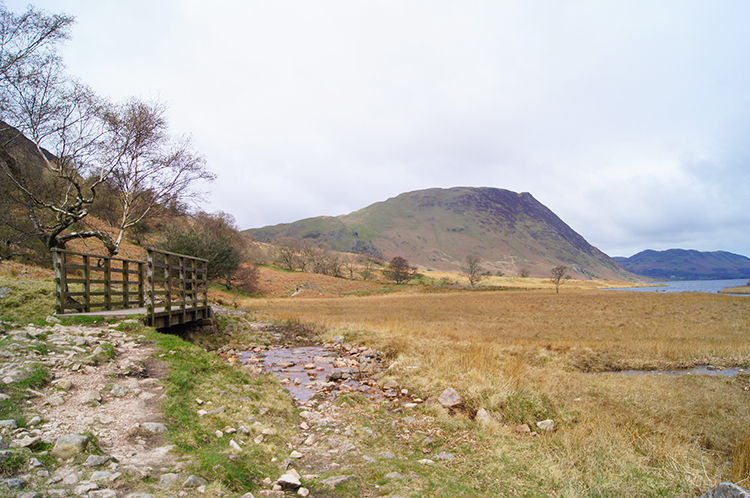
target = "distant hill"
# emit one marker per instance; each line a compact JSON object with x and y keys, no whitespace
{"x":681,"y":264}
{"x":438,"y":228}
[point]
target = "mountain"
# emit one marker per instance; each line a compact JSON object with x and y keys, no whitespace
{"x":437,"y":229}
{"x":682,"y":264}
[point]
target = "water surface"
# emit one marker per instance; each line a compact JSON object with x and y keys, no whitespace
{"x":708,"y":286}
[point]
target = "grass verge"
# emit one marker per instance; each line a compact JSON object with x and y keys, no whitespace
{"x":235,"y":406}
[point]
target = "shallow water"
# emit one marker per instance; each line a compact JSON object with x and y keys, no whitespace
{"x":304,"y":371}
{"x":725,"y":372}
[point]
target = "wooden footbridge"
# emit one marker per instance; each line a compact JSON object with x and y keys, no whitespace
{"x":168,"y":288}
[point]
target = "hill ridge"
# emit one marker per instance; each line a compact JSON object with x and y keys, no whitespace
{"x":437,"y":228}
{"x":687,"y":264}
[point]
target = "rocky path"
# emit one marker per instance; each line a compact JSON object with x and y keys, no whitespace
{"x":338,"y":439}
{"x":101,"y":399}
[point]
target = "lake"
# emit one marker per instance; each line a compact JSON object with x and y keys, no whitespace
{"x":709,"y":286}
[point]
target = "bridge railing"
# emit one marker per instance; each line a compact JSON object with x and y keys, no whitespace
{"x":172,"y":288}
{"x":87,"y":282}
{"x":176,"y":285}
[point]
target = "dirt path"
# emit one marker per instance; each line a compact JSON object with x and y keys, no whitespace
{"x":104,"y":384}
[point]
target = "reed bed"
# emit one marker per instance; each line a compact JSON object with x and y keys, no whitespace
{"x":529,"y":355}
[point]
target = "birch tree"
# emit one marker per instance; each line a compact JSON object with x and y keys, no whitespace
{"x":150,"y":168}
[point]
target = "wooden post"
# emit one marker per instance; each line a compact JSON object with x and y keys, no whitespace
{"x":168,"y":285}
{"x":107,"y":284}
{"x":141,"y":284}
{"x":58,"y":261}
{"x":205,"y":283}
{"x":194,"y":287}
{"x":86,"y":283}
{"x":150,"y":277}
{"x":183,"y":300}
{"x":126,"y":284}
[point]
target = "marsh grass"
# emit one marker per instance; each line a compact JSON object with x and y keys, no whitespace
{"x":740,"y":472}
{"x":530,"y":355}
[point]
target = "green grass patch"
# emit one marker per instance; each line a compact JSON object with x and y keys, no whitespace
{"x":234,"y":397}
{"x":28,"y":301}
{"x":12,"y":465}
{"x":12,"y":408}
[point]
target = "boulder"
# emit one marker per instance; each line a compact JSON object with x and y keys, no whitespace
{"x":289,"y":481}
{"x":91,"y":398}
{"x":9,"y":424}
{"x":69,"y":446}
{"x":154,"y":427}
{"x":450,"y":398}
{"x":726,"y":490}
{"x":96,"y":460}
{"x":167,"y":479}
{"x":194,"y":482}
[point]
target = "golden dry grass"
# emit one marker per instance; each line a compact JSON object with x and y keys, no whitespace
{"x":528,"y":355}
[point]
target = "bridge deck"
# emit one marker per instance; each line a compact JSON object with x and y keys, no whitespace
{"x":162,"y":317}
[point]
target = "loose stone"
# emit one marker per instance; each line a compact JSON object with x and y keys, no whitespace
{"x":154,"y":427}
{"x":167,"y":479}
{"x":85,"y":488}
{"x":15,"y":483}
{"x":96,"y":460}
{"x":102,"y":493}
{"x":450,"y":398}
{"x":69,"y":446}
{"x":483,"y":417}
{"x":546,"y":425}
{"x":337,"y":480}
{"x":194,"y":481}
{"x":289,"y":481}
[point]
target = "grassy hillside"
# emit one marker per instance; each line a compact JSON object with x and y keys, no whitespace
{"x":438,"y":228}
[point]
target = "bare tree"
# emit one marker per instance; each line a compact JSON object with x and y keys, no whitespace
{"x":400,"y":271}
{"x":473,"y":269}
{"x":559,"y":276}
{"x":367,"y":268}
{"x":22,"y":36}
{"x":524,"y":273}
{"x":150,"y":168}
{"x":350,"y":262}
{"x":61,"y":117}
{"x":53,"y":183}
{"x":288,"y":253}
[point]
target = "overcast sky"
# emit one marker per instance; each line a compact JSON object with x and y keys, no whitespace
{"x":629,"y":119}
